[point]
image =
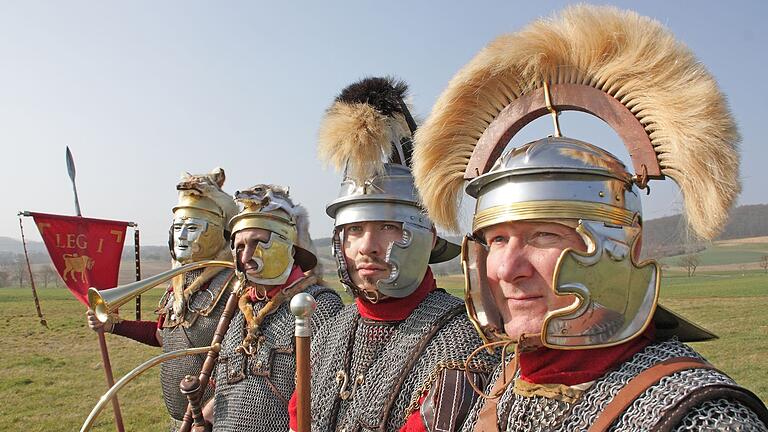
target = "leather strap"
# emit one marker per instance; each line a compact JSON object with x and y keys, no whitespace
{"x":487,"y":418}
{"x":639,"y":384}
{"x":410,"y":362}
{"x":449,"y":400}
{"x":735,"y":393}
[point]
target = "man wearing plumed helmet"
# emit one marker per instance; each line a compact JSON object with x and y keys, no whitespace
{"x":395,"y":358}
{"x":191,"y":308}
{"x":552,"y":267}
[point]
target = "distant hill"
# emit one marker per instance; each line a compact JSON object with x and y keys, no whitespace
{"x":10,"y":248}
{"x":8,"y":244}
{"x":669,"y":235}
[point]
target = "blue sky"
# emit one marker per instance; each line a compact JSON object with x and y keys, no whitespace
{"x":144,"y":90}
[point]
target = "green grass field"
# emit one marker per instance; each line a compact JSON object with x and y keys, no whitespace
{"x":725,"y":253}
{"x":54,"y":376}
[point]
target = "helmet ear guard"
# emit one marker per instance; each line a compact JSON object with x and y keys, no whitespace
{"x":171,"y":243}
{"x":481,"y":307}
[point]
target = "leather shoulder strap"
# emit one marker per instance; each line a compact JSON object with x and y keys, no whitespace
{"x":413,"y":357}
{"x":487,"y":417}
{"x":639,"y":384}
{"x":711,"y":392}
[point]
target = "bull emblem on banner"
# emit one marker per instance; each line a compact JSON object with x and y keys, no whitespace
{"x":74,"y":263}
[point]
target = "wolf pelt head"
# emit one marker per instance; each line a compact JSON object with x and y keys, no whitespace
{"x":208,"y":185}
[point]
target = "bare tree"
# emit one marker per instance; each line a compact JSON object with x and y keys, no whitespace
{"x":20,"y":270}
{"x":48,"y":274}
{"x":5,"y":274}
{"x":690,"y":262}
{"x":764,"y":262}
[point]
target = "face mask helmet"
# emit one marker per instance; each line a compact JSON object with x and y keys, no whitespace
{"x":571,"y":63}
{"x":198,"y":231}
{"x":269,"y":208}
{"x":367,"y":133}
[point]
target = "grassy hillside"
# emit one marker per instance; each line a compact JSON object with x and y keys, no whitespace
{"x":736,"y":254}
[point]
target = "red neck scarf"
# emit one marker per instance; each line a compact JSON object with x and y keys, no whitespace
{"x":397,"y":309}
{"x":295,"y":275}
{"x":571,"y":367}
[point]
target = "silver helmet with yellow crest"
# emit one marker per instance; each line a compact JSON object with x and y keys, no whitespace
{"x":628,"y":71}
{"x":367,"y":134}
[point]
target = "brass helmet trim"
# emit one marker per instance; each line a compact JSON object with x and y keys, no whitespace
{"x":533,"y":210}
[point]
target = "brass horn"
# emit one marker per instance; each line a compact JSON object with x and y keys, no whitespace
{"x":107,"y":301}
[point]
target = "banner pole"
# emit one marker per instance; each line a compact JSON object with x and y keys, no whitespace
{"x":31,"y":278}
{"x":137,"y":256}
{"x":110,"y":379}
{"x":102,"y":340}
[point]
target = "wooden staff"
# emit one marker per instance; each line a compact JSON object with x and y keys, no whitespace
{"x":137,"y":258}
{"x":31,"y":278}
{"x":302,"y":306}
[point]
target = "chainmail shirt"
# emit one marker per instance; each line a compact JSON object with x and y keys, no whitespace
{"x":361,"y":367}
{"x":252,"y":391}
{"x":201,"y":315}
{"x":538,"y":413}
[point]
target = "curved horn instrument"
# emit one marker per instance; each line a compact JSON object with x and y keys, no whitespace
{"x":107,"y":301}
{"x":212,"y":350}
{"x":154,"y":361}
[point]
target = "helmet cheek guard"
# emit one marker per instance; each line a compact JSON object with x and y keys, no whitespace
{"x":274,"y":260}
{"x":408,"y":258}
{"x":615,"y":295}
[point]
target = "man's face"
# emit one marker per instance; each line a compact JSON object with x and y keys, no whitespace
{"x":245,"y":243}
{"x":520,"y":265}
{"x":186,"y":231}
{"x":365,"y":246}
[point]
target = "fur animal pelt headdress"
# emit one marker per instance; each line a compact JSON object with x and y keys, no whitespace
{"x":368,"y":124}
{"x":630,"y":57}
{"x":208,"y":186}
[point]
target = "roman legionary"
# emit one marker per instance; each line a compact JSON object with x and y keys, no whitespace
{"x":395,"y":358}
{"x":256,"y":373}
{"x":552,"y":263}
{"x":190,"y":309}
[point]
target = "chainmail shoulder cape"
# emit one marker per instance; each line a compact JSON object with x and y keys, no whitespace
{"x":537,"y":413}
{"x":194,"y":329}
{"x":252,"y":392}
{"x":369,"y":375}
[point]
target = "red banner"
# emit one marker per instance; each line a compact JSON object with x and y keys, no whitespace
{"x":86,"y":252}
